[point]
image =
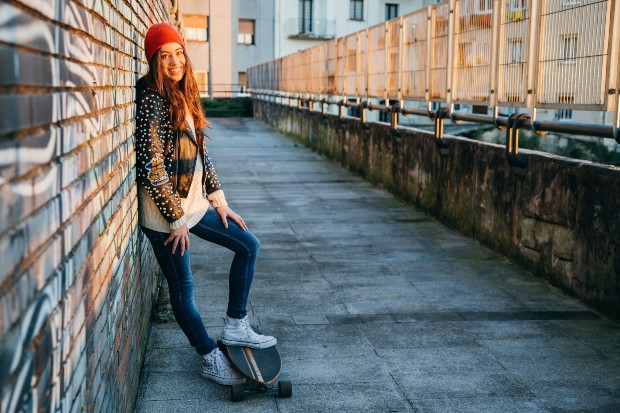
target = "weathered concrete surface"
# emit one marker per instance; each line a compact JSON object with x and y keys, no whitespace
{"x":377,"y":307}
{"x":559,"y":218}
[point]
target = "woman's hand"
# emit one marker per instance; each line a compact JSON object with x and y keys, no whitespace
{"x":180,"y":237}
{"x":224,"y":212}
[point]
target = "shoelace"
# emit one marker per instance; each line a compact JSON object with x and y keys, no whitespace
{"x":220,"y":364}
{"x":251,"y":334}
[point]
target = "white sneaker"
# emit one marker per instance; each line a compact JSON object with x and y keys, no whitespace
{"x":216,"y":367}
{"x":238,"y":332}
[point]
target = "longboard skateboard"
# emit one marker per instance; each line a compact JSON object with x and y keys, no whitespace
{"x":261,"y":366}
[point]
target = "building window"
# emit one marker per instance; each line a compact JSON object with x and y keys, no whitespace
{"x":485,"y":6}
{"x":202,"y":80}
{"x":391,"y":11}
{"x":515,"y":51}
{"x":516,"y":10}
{"x":246,"y":32}
{"x":356,"y":111}
{"x":305,"y":16}
{"x":242,"y":80}
{"x":356,"y":10}
{"x":512,"y":97}
{"x":562,"y":114}
{"x":510,"y":110}
{"x":196,"y":28}
{"x":384,"y":116}
{"x":569,"y":48}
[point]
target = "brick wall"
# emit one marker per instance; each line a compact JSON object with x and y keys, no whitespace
{"x":77,"y":279}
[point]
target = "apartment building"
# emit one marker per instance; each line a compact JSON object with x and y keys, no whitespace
{"x":244,"y":33}
{"x":225,"y":37}
{"x":305,"y":23}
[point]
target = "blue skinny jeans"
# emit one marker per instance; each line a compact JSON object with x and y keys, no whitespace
{"x":178,"y":273}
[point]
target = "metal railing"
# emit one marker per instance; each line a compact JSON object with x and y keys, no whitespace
{"x":311,"y":28}
{"x":224,"y":90}
{"x":529,"y":54}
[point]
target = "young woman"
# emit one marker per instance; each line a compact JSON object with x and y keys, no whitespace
{"x":179,"y":193}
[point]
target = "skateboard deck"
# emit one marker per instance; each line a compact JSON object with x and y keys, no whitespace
{"x":262,"y":366}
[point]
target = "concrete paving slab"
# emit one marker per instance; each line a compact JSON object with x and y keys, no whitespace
{"x":347,"y":398}
{"x":570,"y":397}
{"x":457,"y":385}
{"x":217,"y":402}
{"x":179,"y":385}
{"x":480,"y":404}
{"x":597,"y":334}
{"x":367,"y":278}
{"x":321,"y":340}
{"x":168,"y":338}
{"x":302,"y":319}
{"x":559,"y":347}
{"x":489,"y":330}
{"x":367,"y":368}
{"x":426,"y":334}
{"x":376,"y":306}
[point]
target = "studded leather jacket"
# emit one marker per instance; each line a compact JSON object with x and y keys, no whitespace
{"x":166,"y":158}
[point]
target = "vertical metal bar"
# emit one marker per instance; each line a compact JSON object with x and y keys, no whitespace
{"x":367,"y":61}
{"x":386,"y":46}
{"x":429,"y":55}
{"x":615,"y":58}
{"x":358,"y":63}
{"x":344,"y":45}
{"x":496,"y":50}
{"x":450,"y":62}
{"x":400,"y":58}
{"x":612,"y":101}
{"x":532,"y":59}
{"x":337,"y":59}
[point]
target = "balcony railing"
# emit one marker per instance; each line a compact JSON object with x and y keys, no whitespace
{"x":530,"y":54}
{"x":311,"y":28}
{"x":223,"y":90}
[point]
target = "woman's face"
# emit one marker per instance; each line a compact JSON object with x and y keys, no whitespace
{"x":172,"y":60}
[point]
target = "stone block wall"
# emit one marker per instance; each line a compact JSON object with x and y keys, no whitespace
{"x":559,"y":217}
{"x":77,"y":278}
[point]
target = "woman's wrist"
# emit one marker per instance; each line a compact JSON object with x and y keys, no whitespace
{"x":217,"y":198}
{"x":178,"y":223}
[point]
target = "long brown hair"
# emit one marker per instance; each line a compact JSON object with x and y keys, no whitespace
{"x":186,"y":93}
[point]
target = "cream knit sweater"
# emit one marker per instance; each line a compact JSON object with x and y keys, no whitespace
{"x":194,"y":206}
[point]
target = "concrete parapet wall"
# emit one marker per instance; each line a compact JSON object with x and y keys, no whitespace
{"x":559,"y":218}
{"x":77,"y":278}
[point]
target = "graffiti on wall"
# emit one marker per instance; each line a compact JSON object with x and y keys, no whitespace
{"x":17,"y":355}
{"x":65,"y":170}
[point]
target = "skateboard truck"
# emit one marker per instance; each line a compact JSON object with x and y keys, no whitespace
{"x":284,"y":389}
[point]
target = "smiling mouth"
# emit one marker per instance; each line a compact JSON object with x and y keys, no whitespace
{"x":175,"y":71}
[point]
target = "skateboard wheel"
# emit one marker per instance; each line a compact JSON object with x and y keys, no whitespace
{"x":285,"y":388}
{"x":237,"y":393}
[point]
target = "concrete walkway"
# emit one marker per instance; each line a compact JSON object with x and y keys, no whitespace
{"x":376,"y":306}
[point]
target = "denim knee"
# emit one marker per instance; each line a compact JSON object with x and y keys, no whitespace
{"x":253,"y":244}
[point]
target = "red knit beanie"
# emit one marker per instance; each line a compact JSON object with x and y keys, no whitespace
{"x":158,"y":35}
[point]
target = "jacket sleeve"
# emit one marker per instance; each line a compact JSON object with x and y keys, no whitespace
{"x":151,"y":129}
{"x":212,"y":184}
